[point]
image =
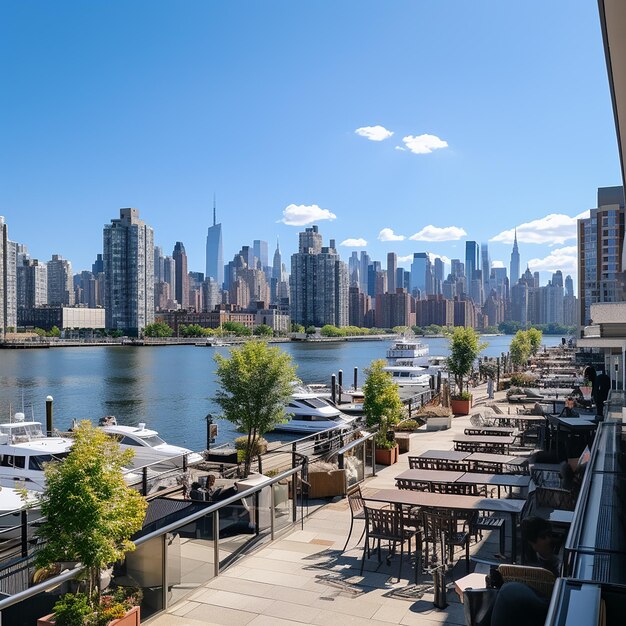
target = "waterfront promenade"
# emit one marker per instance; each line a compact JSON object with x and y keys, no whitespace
{"x":304,"y":578}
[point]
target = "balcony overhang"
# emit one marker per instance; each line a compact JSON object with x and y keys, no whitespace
{"x":613,"y":23}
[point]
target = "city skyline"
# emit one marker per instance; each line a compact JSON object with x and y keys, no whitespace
{"x":428,"y":150}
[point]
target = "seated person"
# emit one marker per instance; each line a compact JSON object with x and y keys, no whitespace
{"x":518,"y":605}
{"x":198,"y":492}
{"x":569,"y":410}
{"x":538,"y":534}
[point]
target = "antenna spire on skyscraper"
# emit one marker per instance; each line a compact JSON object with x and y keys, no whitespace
{"x":214,"y":216}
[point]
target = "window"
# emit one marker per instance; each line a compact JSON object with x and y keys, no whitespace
{"x":128,"y":441}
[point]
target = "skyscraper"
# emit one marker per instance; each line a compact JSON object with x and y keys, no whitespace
{"x":259,"y":249}
{"x":128,"y":255}
{"x":471,"y":260}
{"x":8,"y":280}
{"x":485,"y":262}
{"x":514,"y":267}
{"x":181,"y":293}
{"x":214,"y":253}
{"x":602,"y":253}
{"x":32,"y":283}
{"x":421,"y":274}
{"x":363,"y":270}
{"x":277,"y":264}
{"x":438,"y":275}
{"x":392,"y":266}
{"x":60,"y":284}
{"x":318,"y":282}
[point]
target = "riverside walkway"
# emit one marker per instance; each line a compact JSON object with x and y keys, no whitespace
{"x":305,"y":578}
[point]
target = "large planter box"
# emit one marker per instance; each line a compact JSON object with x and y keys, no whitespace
{"x":405,"y":439}
{"x":386,"y":457}
{"x":461,"y":407}
{"x":439,"y":423}
{"x":132,"y":618}
{"x":327,"y":484}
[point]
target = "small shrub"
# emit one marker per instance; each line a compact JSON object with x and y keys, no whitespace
{"x":259,"y":445}
{"x":435,"y":411}
{"x":523,"y":380}
{"x":504,"y":384}
{"x":514,"y":391}
{"x":466,"y":395}
{"x":406,"y":426}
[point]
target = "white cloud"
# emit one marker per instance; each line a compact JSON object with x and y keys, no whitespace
{"x":497,"y":264}
{"x":436,"y":233}
{"x":423,"y":144}
{"x":434,"y":256}
{"x":354,"y":243}
{"x":564,"y":259}
{"x":400,"y":148}
{"x":374,"y":133}
{"x":553,"y":229}
{"x":405,"y":259}
{"x":387,"y":234}
{"x":301,"y":214}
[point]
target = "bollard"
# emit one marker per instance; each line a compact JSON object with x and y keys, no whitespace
{"x":49,"y":401}
{"x":340,"y":386}
{"x":333,"y":388}
{"x":356,"y":377}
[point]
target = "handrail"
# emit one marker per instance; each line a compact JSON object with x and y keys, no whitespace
{"x":355,"y":443}
{"x":215,"y":507}
{"x":61,"y":578}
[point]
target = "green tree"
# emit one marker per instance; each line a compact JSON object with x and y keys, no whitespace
{"x":263,"y":330}
{"x":535,"y":337}
{"x":237,"y":328}
{"x":310,"y":330}
{"x":296,"y":328}
{"x":256,"y":382}
{"x":89,"y":512}
{"x":520,"y":348}
{"x":158,"y":329}
{"x":40,"y":332}
{"x":332,"y":331}
{"x":381,"y":400}
{"x":464,"y":350}
{"x":54,"y":332}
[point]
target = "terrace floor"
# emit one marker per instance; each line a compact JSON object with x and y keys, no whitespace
{"x":304,"y":578}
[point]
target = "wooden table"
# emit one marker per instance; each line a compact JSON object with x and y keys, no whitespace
{"x":500,"y":459}
{"x":496,"y":431}
{"x":468,"y":478}
{"x":444,"y":455}
{"x":472,"y":443}
{"x":428,"y":500}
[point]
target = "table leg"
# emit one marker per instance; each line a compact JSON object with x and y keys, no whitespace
{"x":513,"y":537}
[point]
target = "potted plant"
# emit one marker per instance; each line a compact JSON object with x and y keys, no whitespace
{"x":464,"y":350}
{"x":90,"y":514}
{"x":383,"y":409}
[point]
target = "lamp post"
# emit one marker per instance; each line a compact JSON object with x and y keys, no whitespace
{"x":209,"y":432}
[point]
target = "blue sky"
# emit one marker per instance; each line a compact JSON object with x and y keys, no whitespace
{"x":157,"y":105}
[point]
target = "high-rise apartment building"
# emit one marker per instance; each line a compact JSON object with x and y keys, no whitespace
{"x":214,"y":252}
{"x":318,"y":283}
{"x":514,"y":273}
{"x":181,"y":292}
{"x":394,"y":309}
{"x":8,"y":280}
{"x":365,"y":262}
{"x":128,"y":255}
{"x":602,"y":253}
{"x":60,"y":283}
{"x":392,"y":268}
{"x":32,"y":283}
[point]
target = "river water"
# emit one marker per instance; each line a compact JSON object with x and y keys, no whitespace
{"x":168,"y":387}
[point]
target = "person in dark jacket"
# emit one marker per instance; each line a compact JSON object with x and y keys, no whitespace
{"x":600,"y":392}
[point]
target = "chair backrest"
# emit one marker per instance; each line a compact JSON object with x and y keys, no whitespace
{"x":486,"y":467}
{"x":384,"y":523}
{"x":403,"y":483}
{"x":418,"y":462}
{"x":458,"y":489}
{"x":355,"y":500}
{"x":539,"y":579}
{"x":437,"y":524}
{"x":451,"y":466}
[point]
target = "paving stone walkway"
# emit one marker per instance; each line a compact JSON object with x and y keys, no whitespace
{"x":304,"y":578}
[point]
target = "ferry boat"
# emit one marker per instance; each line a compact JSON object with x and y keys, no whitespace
{"x":148,"y":447}
{"x":408,"y":363}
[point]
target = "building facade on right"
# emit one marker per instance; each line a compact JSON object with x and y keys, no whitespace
{"x":128,"y":255}
{"x":601,"y":253}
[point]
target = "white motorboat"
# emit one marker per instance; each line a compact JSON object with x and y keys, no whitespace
{"x":148,"y":447}
{"x":24,"y":449}
{"x":12,"y":503}
{"x":308,"y":413}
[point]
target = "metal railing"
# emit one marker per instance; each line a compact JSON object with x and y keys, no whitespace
{"x":159,"y":567}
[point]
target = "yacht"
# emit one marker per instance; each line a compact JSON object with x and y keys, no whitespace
{"x":12,"y":503}
{"x":24,"y":449}
{"x":308,"y":413}
{"x":148,"y":447}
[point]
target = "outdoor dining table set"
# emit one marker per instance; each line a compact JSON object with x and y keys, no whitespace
{"x":498,"y":444}
{"x":470,"y":462}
